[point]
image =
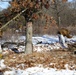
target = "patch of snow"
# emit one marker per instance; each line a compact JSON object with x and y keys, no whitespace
{"x":2,"y":65}
{"x":21,"y":48}
{"x":22,"y":38}
{"x":40,"y":71}
{"x":0,"y":49}
{"x":71,"y":40}
{"x":40,"y":43}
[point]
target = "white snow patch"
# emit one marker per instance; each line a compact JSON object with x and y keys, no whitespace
{"x":2,"y":65}
{"x":40,"y":71}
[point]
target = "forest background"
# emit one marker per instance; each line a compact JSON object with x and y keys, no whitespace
{"x":61,"y":14}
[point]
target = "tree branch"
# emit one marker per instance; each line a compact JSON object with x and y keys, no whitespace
{"x":13,"y":19}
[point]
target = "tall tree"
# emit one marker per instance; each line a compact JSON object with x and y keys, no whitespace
{"x":33,"y":10}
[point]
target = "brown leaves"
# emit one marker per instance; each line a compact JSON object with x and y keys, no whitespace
{"x":47,"y":5}
{"x":18,"y":5}
{"x":43,"y":1}
{"x":6,"y":14}
{"x":24,"y":4}
{"x":31,"y":5}
{"x":64,"y":0}
{"x":14,"y":4}
{"x":35,"y":16}
{"x":53,"y":59}
{"x":53,"y":1}
{"x":15,"y":7}
{"x":37,"y":6}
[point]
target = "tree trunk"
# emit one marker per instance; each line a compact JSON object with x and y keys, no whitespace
{"x":29,"y":46}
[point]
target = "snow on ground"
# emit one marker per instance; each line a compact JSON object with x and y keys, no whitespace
{"x":39,"y":42}
{"x":48,"y":42}
{"x":40,"y":71}
{"x":51,"y":42}
{"x":45,"y":39}
{"x":50,"y":39}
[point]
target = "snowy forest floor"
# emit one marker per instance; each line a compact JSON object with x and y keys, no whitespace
{"x":43,"y":56}
{"x":53,"y":59}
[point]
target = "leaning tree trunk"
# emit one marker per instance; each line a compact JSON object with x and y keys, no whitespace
{"x":29,"y":46}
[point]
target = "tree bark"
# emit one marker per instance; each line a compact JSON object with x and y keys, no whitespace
{"x":29,"y":45}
